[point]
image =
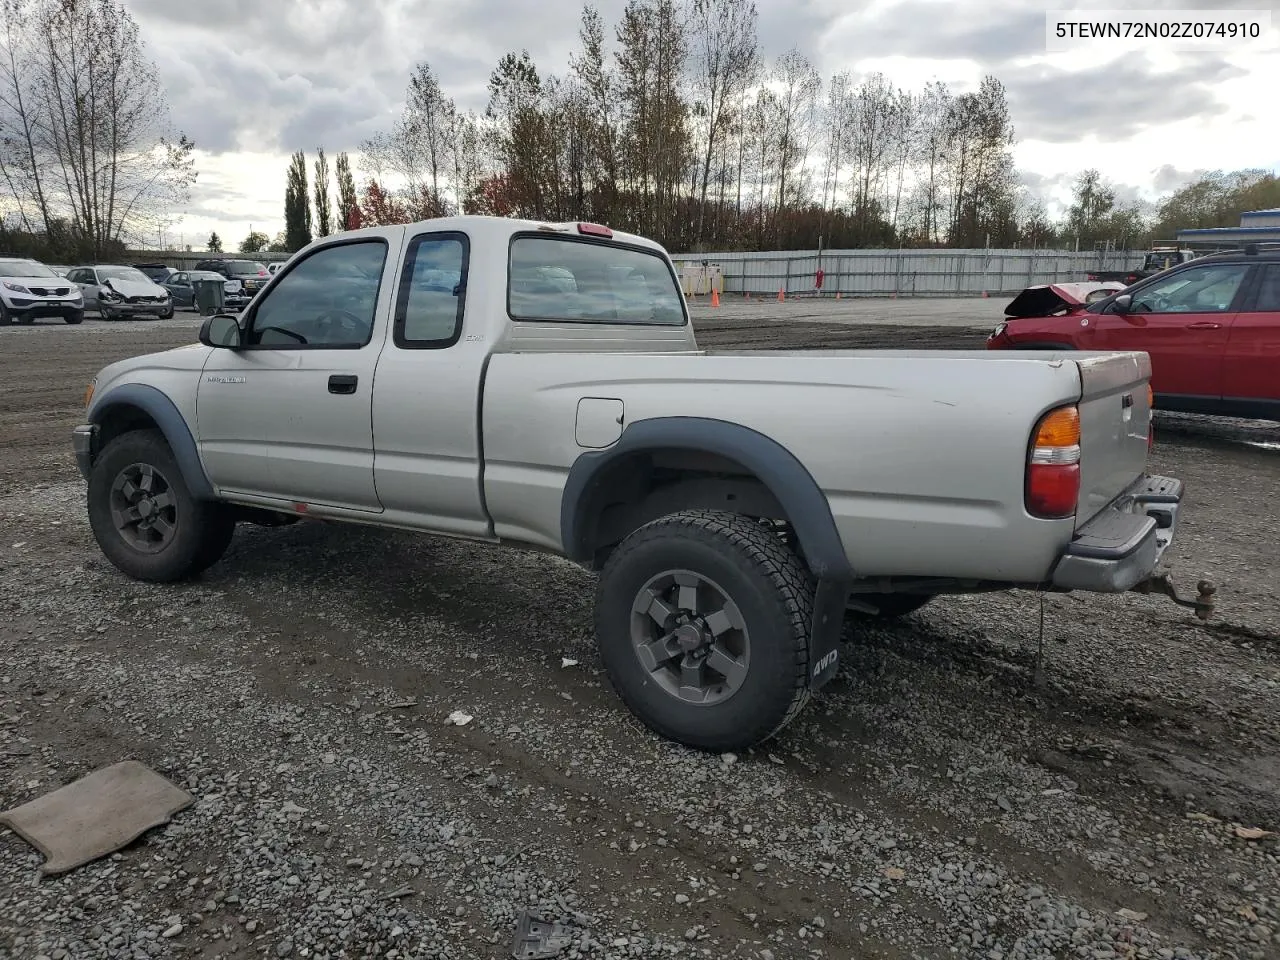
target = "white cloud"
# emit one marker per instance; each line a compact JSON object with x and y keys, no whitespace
{"x":254,"y":81}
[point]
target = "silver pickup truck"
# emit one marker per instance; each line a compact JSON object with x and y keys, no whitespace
{"x":539,"y":385}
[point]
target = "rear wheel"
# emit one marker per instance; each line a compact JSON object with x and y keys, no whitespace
{"x":145,"y":519}
{"x":703,"y":624}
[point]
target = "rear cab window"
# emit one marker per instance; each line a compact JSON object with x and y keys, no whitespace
{"x":566,"y":279}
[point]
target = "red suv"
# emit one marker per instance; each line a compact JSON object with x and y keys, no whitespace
{"x":1210,"y":326}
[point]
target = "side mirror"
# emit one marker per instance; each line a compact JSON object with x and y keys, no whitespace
{"x":1123,"y":303}
{"x":221,"y":330}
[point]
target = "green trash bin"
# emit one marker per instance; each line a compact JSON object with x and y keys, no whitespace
{"x":210,"y":298}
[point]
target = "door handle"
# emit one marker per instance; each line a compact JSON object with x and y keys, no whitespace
{"x":1204,"y":325}
{"x":343,"y":383}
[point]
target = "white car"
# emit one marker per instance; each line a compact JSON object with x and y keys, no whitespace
{"x":30,"y":290}
{"x":118,"y":291}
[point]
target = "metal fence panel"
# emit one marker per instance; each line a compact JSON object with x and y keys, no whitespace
{"x":906,"y":273}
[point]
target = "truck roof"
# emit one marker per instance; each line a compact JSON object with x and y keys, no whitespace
{"x":494,"y":228}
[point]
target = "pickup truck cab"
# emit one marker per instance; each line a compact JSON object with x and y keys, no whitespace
{"x":539,"y":385}
{"x":1153,"y":262}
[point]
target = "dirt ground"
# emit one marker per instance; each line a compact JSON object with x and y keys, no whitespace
{"x":934,"y":801}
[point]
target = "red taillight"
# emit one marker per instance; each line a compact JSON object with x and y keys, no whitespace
{"x":1053,"y":466}
{"x":595,"y":229}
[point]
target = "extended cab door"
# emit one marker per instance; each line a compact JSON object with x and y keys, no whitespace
{"x":430,"y":376}
{"x":1253,"y":348}
{"x":1182,"y":320}
{"x":288,"y":416}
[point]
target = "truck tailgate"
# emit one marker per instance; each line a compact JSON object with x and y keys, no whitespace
{"x":1114,"y":423}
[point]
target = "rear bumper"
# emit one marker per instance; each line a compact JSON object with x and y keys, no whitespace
{"x":84,"y":441}
{"x":1123,"y":544}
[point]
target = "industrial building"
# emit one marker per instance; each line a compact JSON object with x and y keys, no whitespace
{"x":1255,"y":226}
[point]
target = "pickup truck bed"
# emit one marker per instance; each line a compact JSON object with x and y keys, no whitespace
{"x":540,"y":385}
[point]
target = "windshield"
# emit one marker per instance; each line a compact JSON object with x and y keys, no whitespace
{"x":244,"y":268}
{"x":123,"y":273}
{"x":24,"y":268}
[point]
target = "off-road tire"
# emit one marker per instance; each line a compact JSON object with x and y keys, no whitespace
{"x":771,"y":589}
{"x":202,"y":531}
{"x":891,"y":605}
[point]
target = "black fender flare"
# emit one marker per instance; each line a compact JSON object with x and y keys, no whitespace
{"x":774,"y":465}
{"x":157,"y":405}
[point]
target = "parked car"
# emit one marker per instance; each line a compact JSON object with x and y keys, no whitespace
{"x":1211,"y":327}
{"x":158,"y":272}
{"x":116,"y":290}
{"x":735,"y":504}
{"x":58,"y":268}
{"x":30,"y":290}
{"x":250,"y":273}
{"x":181,"y":287}
{"x":274,"y":267}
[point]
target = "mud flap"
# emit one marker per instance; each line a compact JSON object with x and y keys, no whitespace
{"x":824,"y":633}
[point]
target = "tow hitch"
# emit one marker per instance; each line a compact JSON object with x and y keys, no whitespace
{"x":1162,"y":583}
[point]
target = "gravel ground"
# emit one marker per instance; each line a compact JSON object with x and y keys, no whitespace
{"x":935,"y":801}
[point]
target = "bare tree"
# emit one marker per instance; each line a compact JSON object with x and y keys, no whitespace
{"x":871,"y":138}
{"x":725,"y":58}
{"x":85,"y":144}
{"x":599,"y":89}
{"x":799,"y":86}
{"x":933,"y":145}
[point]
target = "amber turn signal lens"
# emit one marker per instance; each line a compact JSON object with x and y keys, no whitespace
{"x":1059,"y":428}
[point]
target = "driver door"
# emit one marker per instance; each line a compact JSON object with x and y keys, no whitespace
{"x":1182,"y":321}
{"x":288,"y":416}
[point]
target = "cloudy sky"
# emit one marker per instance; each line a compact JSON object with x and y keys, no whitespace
{"x":252,"y":81}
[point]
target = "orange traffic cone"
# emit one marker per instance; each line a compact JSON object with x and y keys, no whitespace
{"x":715,"y":297}
{"x":781,"y":295}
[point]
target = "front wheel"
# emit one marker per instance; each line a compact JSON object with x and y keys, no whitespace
{"x":74,"y":317}
{"x":145,"y":519}
{"x":703,"y":623}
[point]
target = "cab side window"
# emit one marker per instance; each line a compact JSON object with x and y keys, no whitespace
{"x":327,"y":300}
{"x":432,"y":291}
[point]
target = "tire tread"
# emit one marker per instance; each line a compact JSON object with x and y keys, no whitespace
{"x":764,"y":550}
